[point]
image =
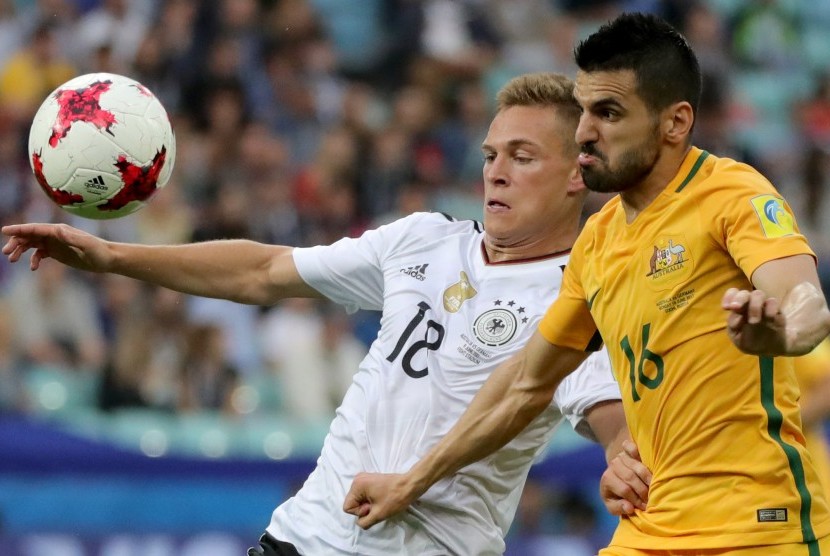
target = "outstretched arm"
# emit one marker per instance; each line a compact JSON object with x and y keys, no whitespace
{"x":516,"y":392}
{"x":238,"y":270}
{"x":786,"y":313}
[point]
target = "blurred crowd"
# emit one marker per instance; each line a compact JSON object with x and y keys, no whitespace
{"x":302,"y":121}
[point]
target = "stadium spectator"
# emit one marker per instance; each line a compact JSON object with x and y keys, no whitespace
{"x":207,"y":378}
{"x":118,"y":25}
{"x":55,"y":318}
{"x":12,"y":393}
{"x":311,"y":354}
{"x":766,"y":35}
{"x":33,"y":71}
{"x":812,"y":120}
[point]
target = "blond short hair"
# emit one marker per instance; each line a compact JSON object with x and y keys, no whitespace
{"x":543,"y":89}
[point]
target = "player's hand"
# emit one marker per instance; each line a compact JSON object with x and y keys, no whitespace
{"x":63,"y":243}
{"x":624,"y":485}
{"x":375,"y":497}
{"x":754,"y":324}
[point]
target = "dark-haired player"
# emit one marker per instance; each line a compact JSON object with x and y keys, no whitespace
{"x":696,"y":278}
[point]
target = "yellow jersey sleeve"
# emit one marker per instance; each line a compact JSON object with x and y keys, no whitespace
{"x":568,"y":321}
{"x":752,"y":221}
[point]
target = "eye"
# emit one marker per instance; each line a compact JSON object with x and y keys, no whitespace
{"x":608,"y":114}
{"x":489,"y":157}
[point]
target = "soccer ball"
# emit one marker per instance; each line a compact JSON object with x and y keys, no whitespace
{"x":101,"y":145}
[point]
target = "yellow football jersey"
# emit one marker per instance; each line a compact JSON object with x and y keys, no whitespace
{"x":719,"y":429}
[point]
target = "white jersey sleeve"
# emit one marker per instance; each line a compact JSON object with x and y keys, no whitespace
{"x":591,"y":383}
{"x":350,"y":271}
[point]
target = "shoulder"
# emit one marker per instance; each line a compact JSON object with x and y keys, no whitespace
{"x":597,"y":224}
{"x":722,"y":191}
{"x":431,"y":225}
{"x":446,"y":221}
{"x":721,"y":175}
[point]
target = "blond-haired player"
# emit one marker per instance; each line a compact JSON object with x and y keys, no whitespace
{"x":456,"y":298}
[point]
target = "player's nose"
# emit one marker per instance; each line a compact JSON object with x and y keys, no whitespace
{"x":586,"y":131}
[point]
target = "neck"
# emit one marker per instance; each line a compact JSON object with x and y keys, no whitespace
{"x":505,"y":250}
{"x":637,"y":198}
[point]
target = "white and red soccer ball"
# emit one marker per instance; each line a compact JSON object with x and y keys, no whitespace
{"x":101,"y":145}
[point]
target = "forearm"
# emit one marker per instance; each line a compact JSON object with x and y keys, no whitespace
{"x":497,"y":414}
{"x":608,"y":425}
{"x":238,"y":270}
{"x":807,"y":318}
{"x":784,"y":315}
{"x":516,"y":393}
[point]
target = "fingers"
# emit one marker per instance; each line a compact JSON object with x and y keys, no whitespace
{"x":619,"y":507}
{"x":358,"y":502}
{"x":22,"y":237}
{"x":356,"y":508}
{"x":14,"y":248}
{"x":10,"y":246}
{"x":356,"y":497}
{"x":11,"y":229}
{"x":772,"y":307}
{"x":635,"y":464}
{"x":631,"y":449}
{"x":620,"y":497}
{"x":37,"y":256}
{"x":23,"y":230}
{"x":370,"y":519}
{"x":748,"y":307}
{"x":374,"y":497}
{"x":624,"y":484}
{"x":731,"y":300}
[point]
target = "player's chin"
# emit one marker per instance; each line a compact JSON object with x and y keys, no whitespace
{"x":494,"y":226}
{"x":497,"y":216}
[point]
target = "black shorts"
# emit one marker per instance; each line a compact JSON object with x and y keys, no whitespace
{"x":269,"y":546}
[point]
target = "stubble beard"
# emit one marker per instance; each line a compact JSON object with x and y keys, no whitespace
{"x":634,"y":165}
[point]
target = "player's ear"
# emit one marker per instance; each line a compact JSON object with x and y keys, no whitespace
{"x":575,"y":183}
{"x":677,"y":125}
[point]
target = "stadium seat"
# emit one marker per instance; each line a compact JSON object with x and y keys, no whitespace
{"x":208,"y":434}
{"x":279,"y":437}
{"x":53,"y":390}
{"x":816,"y":43}
{"x":146,"y":430}
{"x":265,"y":390}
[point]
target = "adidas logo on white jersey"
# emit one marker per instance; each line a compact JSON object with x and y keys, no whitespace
{"x":418,"y":271}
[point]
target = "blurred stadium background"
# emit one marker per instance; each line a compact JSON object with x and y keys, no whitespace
{"x":139,"y":422}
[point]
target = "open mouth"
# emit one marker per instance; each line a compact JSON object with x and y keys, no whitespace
{"x":496,"y":204}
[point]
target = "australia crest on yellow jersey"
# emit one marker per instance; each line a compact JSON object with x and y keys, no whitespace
{"x":774,"y":215}
{"x":668,"y":261}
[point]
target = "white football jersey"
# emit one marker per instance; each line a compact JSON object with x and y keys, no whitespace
{"x":448,"y":319}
